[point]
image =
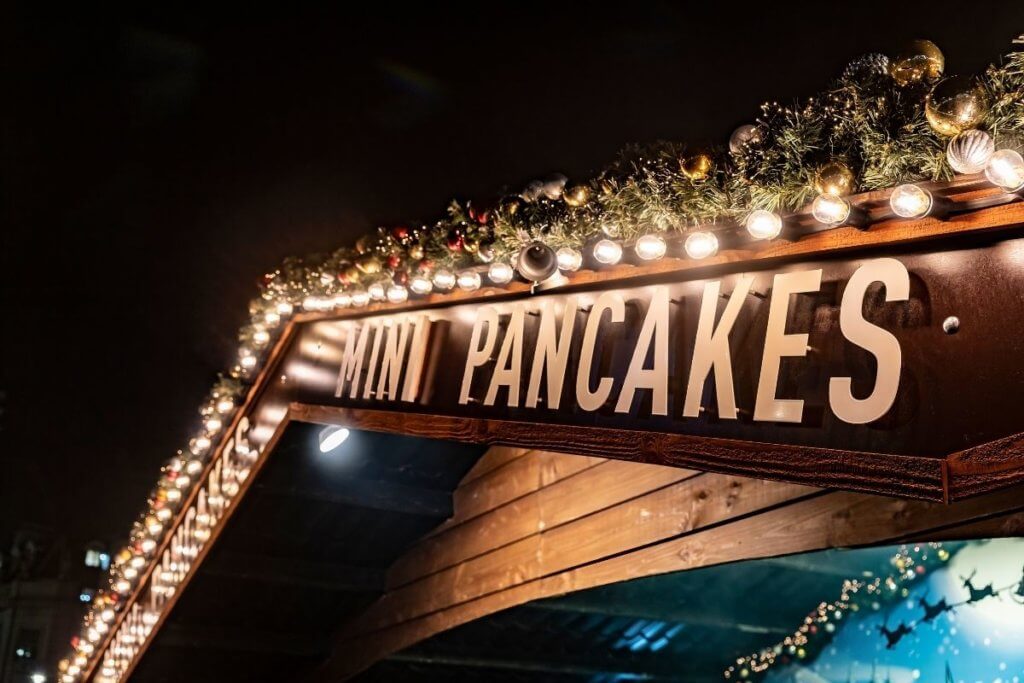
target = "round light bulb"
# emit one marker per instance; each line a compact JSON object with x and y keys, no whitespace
{"x":284,"y":308}
{"x":420,"y":284}
{"x":1006,"y":169}
{"x":444,"y":279}
{"x":331,"y":437}
{"x":360,"y":297}
{"x":272,"y":318}
{"x":469,"y":280}
{"x":500,"y":273}
{"x":225,"y":405}
{"x":246,"y":358}
{"x":608,"y":252}
{"x":376,"y":291}
{"x":764,"y":225}
{"x":213,"y":424}
{"x":701,"y":245}
{"x":397,"y":294}
{"x":828,"y":209}
{"x":260,"y":337}
{"x":342,"y":300}
{"x":311,"y":303}
{"x":569,"y":259}
{"x":910,"y":201}
{"x":650,"y":247}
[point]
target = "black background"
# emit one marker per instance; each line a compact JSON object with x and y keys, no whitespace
{"x":157,"y":161}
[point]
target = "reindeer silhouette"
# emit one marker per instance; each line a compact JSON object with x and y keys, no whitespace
{"x":977,"y":594}
{"x":893,"y":636}
{"x":932,"y":611}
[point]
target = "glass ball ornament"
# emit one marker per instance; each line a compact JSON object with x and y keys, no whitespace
{"x":828,"y":209}
{"x":910,"y":201}
{"x":650,"y":247}
{"x":763,"y":225}
{"x":1006,"y":169}
{"x":955,"y":104}
{"x":576,"y":195}
{"x":835,"y":178}
{"x":469,"y":280}
{"x":500,"y":273}
{"x":919,"y":60}
{"x":569,"y":259}
{"x":608,"y":252}
{"x":697,"y":166}
{"x":701,"y":245}
{"x":444,"y":279}
{"x":743,"y":137}
{"x":537,"y":262}
{"x":420,"y":284}
{"x":970,"y":151}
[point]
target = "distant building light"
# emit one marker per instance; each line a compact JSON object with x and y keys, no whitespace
{"x":38,"y":677}
{"x":104,"y":561}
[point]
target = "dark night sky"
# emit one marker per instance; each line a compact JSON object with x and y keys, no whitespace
{"x":154,"y":165}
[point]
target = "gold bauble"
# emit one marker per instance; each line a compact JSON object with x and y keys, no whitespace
{"x":698,"y":166}
{"x":416,"y":252}
{"x":921,"y":59}
{"x":368,"y":263}
{"x":576,"y":195}
{"x":955,"y":104}
{"x":835,"y":178}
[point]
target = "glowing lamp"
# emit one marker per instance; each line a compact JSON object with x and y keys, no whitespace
{"x":910,"y":201}
{"x":332,"y":437}
{"x":421,"y":284}
{"x":469,"y":280}
{"x":701,"y":245}
{"x":569,"y":259}
{"x":608,"y":252}
{"x":830,"y":209}
{"x":376,"y":291}
{"x":444,"y":279}
{"x":397,"y":294}
{"x":500,"y":273}
{"x":342,"y":300}
{"x":764,"y":225}
{"x":1006,"y":169}
{"x":650,"y":247}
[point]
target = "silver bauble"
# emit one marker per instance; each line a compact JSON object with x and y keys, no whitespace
{"x":747,"y":134}
{"x":553,"y":186}
{"x":537,"y":262}
{"x":970,"y":151}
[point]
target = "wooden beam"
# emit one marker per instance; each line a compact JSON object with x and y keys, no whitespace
{"x":245,"y":639}
{"x":896,"y":475}
{"x":374,"y":495}
{"x":285,"y":571}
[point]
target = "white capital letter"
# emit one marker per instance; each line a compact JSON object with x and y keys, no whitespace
{"x":587,"y":399}
{"x":551,"y":352}
{"x":479,"y":353}
{"x":506,"y":374}
{"x":655,"y":328}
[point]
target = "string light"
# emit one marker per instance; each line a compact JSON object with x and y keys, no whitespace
{"x":650,"y":247}
{"x":569,"y":259}
{"x":420,"y":284}
{"x":444,"y":279}
{"x":500,"y":273}
{"x":608,"y":252}
{"x":831,"y":210}
{"x":469,"y":280}
{"x":910,"y":201}
{"x":763,"y":225}
{"x":700,"y":245}
{"x":1006,"y":169}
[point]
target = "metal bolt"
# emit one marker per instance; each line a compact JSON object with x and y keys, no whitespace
{"x":951,"y":325}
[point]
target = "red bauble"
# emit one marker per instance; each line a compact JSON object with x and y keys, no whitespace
{"x":394,"y":261}
{"x":400,"y":233}
{"x":425,"y":265}
{"x":455,"y":240}
{"x":401,"y":277}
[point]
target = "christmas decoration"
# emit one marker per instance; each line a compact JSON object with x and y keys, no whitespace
{"x":868,"y":66}
{"x":956,"y":104}
{"x":1006,"y":169}
{"x":970,"y":151}
{"x":698,"y":166}
{"x":576,"y":195}
{"x":747,"y":134}
{"x":834,"y":178}
{"x":537,"y":262}
{"x":920,"y":60}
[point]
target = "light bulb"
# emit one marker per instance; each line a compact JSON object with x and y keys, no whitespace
{"x":271,"y":318}
{"x":331,"y":437}
{"x":1006,"y":169}
{"x":148,"y":545}
{"x":397,"y":294}
{"x":569,"y":259}
{"x":469,"y":280}
{"x":213,"y":424}
{"x":131,"y":573}
{"x":260,"y":337}
{"x":311,"y":303}
{"x":444,"y":279}
{"x":701,"y":245}
{"x":163,"y":514}
{"x":173,"y":495}
{"x":107,"y":615}
{"x":376,"y":291}
{"x":342,"y":300}
{"x":420,"y":284}
{"x":123,"y":586}
{"x":138,"y":562}
{"x":246,"y":358}
{"x":360,"y":297}
{"x":284,"y":308}
{"x":225,"y":405}
{"x":828,"y":209}
{"x":194,"y":466}
{"x":650,"y":247}
{"x":764,"y":225}
{"x":608,"y":252}
{"x":910,"y":201}
{"x":500,"y":273}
